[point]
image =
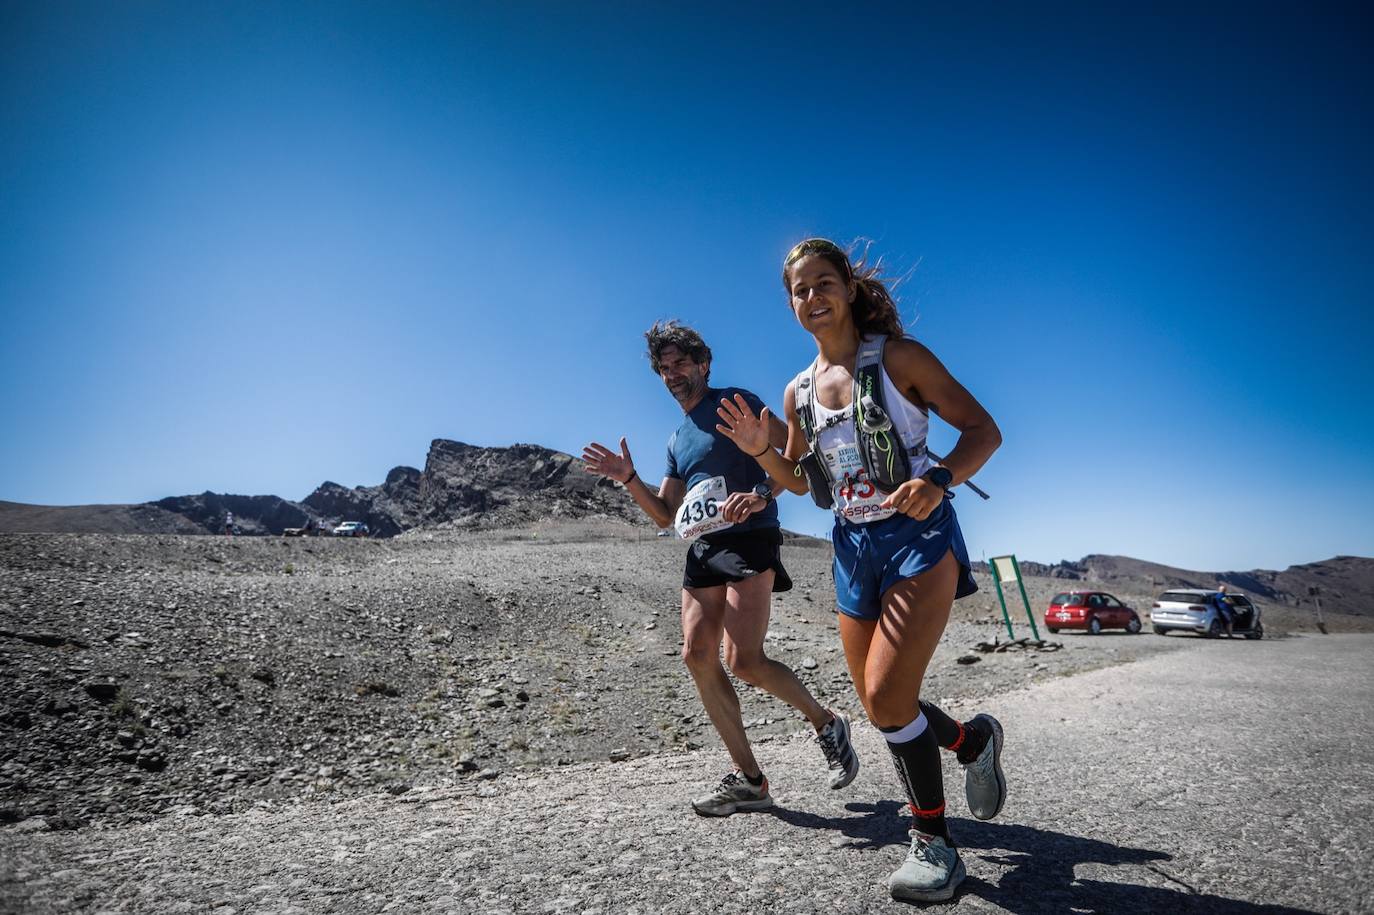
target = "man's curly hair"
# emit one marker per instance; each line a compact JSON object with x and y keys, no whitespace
{"x":675,"y":333}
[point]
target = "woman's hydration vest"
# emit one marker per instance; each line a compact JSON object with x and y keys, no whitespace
{"x":886,"y":460}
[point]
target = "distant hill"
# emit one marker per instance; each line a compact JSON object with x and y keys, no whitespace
{"x":1346,"y":583}
{"x":146,"y":518}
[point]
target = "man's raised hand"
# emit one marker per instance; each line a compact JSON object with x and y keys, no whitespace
{"x":602,"y":460}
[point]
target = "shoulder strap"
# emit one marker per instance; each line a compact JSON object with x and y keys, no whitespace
{"x":868,"y":372}
{"x":868,"y":381}
{"x":804,"y":391}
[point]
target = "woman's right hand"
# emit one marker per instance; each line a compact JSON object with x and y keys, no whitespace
{"x":602,"y":460}
{"x":741,"y":426}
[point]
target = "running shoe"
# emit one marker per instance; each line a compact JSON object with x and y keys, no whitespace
{"x":840,"y":757}
{"x":734,"y":793}
{"x":931,"y":872}
{"x":984,"y":784}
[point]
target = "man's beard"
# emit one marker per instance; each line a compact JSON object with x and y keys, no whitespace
{"x":689,"y":391}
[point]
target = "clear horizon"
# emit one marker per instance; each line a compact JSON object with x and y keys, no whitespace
{"x":789,"y":507}
{"x":249,"y":250}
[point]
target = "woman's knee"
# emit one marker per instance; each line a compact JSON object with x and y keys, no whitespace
{"x":890,"y":705}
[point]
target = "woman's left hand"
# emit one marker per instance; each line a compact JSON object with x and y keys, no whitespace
{"x":740,"y":425}
{"x":740,"y":505}
{"x":916,"y":498}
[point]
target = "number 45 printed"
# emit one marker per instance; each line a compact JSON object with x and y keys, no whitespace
{"x":857,"y":487}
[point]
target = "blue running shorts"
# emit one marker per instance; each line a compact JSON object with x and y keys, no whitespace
{"x":871,"y":558}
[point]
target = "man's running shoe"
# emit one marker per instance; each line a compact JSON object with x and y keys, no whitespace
{"x":984,"y":784}
{"x":931,"y":872}
{"x":734,"y":793}
{"x":839,"y":752}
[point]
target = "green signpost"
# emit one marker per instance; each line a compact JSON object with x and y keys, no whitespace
{"x":1005,"y":569}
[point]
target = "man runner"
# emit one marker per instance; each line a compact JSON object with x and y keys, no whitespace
{"x":722,"y":503}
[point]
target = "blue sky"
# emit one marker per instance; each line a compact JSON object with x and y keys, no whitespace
{"x":249,"y":248}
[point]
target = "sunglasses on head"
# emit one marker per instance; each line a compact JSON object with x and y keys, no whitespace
{"x":814,"y":246}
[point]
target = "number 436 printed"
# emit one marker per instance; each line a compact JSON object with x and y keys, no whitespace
{"x":701,"y":509}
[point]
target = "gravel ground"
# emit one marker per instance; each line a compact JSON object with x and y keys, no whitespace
{"x":170,"y":675}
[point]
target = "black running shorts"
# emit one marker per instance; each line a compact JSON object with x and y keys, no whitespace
{"x":729,"y":556}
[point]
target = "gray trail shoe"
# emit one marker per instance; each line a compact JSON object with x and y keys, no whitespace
{"x":734,"y":793}
{"x":984,"y":784}
{"x":931,"y":872}
{"x":839,"y":752}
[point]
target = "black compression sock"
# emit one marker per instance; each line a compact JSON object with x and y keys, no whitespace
{"x":917,"y":760}
{"x":948,"y":732}
{"x":966,"y":740}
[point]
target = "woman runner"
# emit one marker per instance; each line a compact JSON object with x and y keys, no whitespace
{"x":900,"y":561}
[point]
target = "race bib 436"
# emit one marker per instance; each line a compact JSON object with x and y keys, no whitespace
{"x":701,"y":509}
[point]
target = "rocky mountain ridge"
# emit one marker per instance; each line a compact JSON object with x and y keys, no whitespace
{"x":461,"y":485}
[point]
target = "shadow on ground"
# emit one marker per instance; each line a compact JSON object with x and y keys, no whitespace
{"x":1039,"y":876}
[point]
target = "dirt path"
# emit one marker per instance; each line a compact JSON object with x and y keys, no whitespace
{"x":1130,"y":793}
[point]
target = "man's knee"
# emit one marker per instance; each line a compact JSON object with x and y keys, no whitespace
{"x":750,"y":666}
{"x":700,"y":655}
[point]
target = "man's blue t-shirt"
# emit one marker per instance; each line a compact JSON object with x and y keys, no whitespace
{"x":696,"y":452}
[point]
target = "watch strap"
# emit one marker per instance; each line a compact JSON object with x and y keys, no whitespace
{"x":940,"y":475}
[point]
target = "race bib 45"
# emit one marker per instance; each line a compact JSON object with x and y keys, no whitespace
{"x":857,"y":499}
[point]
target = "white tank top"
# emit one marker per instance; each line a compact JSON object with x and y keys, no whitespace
{"x":856,"y":499}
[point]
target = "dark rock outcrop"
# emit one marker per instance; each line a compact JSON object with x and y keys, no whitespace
{"x":470,"y":486}
{"x":252,"y":514}
{"x":387,"y":510}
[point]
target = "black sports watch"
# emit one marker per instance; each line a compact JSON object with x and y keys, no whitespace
{"x":940,"y":476}
{"x":764,"y":492}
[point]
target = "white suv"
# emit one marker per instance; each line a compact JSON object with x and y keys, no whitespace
{"x":1194,"y":610}
{"x":351,"y":529}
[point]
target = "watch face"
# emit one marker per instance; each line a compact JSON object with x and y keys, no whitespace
{"x":940,"y":476}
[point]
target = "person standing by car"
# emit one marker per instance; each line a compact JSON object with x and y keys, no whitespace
{"x":1225,"y":611}
{"x":900,"y":560}
{"x":722,"y":504}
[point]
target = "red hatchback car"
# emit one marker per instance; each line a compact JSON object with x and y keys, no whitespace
{"x":1090,"y":610}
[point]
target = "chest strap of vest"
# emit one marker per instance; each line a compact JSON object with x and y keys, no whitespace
{"x":886,"y":462}
{"x":885,"y":459}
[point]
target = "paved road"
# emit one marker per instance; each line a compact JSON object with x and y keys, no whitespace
{"x":1226,"y":777}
